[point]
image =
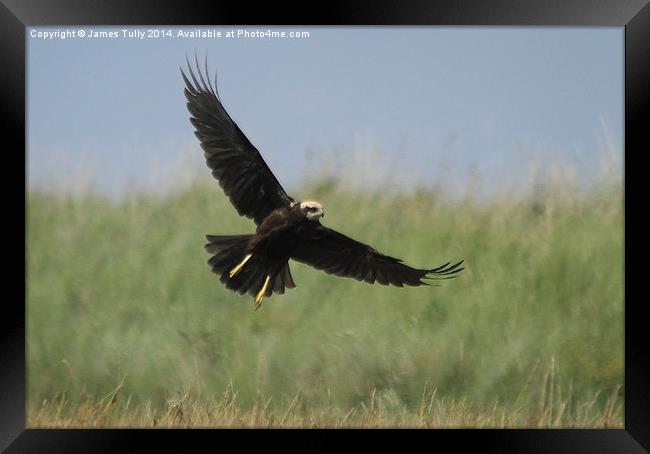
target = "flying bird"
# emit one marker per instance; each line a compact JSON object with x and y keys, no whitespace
{"x":287,"y":229}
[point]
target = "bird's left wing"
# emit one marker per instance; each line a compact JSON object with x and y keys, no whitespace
{"x":235,"y":162}
{"x":328,"y":250}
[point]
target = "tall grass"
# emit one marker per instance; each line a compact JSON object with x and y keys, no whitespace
{"x":114,"y":410}
{"x":530,"y":334}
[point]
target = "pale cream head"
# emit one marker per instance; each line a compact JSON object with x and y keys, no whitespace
{"x":313,"y":210}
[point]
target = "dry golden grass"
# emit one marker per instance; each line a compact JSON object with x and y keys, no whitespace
{"x":114,"y":411}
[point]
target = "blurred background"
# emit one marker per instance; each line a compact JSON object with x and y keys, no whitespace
{"x":500,"y":146}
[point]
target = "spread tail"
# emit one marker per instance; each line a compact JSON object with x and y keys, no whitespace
{"x":244,"y":274}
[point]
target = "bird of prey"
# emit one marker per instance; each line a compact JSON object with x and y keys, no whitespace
{"x":258,"y":263}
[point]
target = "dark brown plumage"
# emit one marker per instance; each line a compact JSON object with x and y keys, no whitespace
{"x":258,"y":264}
{"x":235,"y":162}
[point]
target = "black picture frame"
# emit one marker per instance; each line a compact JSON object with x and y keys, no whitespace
{"x":16,"y":15}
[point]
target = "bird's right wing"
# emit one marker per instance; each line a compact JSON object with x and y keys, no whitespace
{"x":328,"y":250}
{"x":235,"y":162}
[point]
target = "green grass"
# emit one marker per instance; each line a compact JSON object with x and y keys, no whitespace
{"x":120,"y":293}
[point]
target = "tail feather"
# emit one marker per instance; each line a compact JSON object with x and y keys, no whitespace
{"x":229,"y":250}
{"x":249,"y":282}
{"x":278,"y":287}
{"x":218,"y":243}
{"x":287,"y":280}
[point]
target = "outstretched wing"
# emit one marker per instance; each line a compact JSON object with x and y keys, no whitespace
{"x":235,"y":162}
{"x":328,"y":250}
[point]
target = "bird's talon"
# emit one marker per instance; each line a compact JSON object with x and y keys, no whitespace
{"x":236,"y":269}
{"x":260,"y":295}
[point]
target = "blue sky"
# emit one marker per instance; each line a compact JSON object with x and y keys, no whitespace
{"x":399,"y":105}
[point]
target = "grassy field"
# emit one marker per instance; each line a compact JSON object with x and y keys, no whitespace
{"x":128,"y":327}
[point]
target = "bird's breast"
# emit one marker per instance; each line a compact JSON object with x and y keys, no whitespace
{"x":278,"y":235}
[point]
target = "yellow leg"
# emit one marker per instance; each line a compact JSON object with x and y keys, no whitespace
{"x":236,"y":269}
{"x":260,"y":295}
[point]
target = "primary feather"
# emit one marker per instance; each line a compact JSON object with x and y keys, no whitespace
{"x":237,"y":165}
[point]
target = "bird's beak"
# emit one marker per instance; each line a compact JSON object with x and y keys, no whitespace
{"x":322,"y":213}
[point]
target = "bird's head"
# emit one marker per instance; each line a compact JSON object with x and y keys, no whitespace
{"x":313,"y":210}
